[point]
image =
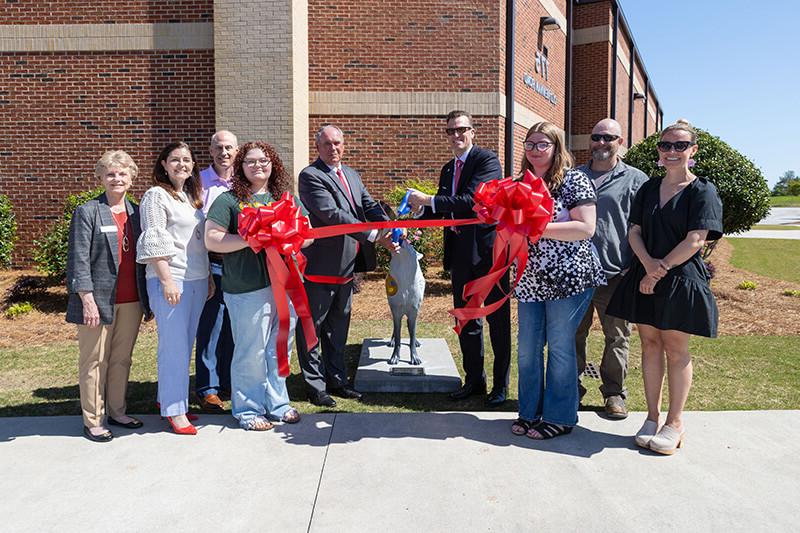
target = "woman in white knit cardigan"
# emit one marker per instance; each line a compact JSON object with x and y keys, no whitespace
{"x":171,"y":245}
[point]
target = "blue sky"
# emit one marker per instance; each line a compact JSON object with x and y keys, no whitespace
{"x":731,"y":67}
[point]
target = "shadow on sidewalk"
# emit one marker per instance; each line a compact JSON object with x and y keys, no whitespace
{"x":355,"y":427}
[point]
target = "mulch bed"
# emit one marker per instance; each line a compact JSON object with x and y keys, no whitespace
{"x":764,"y":311}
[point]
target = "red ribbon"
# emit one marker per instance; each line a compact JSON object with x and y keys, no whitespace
{"x":521,"y":210}
{"x":280,"y":229}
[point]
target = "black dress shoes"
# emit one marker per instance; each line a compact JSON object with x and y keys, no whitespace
{"x":322,"y":399}
{"x":135,"y":423}
{"x":467,"y":390}
{"x":496,"y":398}
{"x":103,"y":437}
{"x":346,"y":392}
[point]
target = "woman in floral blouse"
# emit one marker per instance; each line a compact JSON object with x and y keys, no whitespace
{"x":555,"y":290}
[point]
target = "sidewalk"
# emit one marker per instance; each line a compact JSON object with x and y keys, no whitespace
{"x":417,"y":472}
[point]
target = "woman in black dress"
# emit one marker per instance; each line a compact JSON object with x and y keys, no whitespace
{"x":666,"y":291}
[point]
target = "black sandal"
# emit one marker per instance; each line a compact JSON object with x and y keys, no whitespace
{"x":520,"y":427}
{"x":546,"y":430}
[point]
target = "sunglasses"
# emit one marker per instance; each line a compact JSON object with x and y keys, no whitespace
{"x":457,"y":131}
{"x":604,"y":136}
{"x":679,"y":146}
{"x":540,"y":146}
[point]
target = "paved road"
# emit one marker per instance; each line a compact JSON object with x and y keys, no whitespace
{"x":777,"y":216}
{"x":401,"y":472}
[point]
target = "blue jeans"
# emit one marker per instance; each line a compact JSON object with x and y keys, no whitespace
{"x":256,"y":388}
{"x":177,"y":327}
{"x":214,"y":349}
{"x":553,"y":323}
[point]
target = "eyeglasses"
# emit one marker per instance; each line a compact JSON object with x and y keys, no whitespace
{"x":457,"y":131}
{"x":679,"y":146}
{"x":260,"y":162}
{"x":542,"y":146}
{"x":604,"y":136}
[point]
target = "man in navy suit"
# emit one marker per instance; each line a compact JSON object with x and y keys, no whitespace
{"x":333,"y":193}
{"x":468,"y":254}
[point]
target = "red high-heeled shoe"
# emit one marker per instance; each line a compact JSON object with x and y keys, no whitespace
{"x":186,"y":430}
{"x":189,"y":416}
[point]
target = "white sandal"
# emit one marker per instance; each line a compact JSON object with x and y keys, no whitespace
{"x":258,"y":423}
{"x":667,"y":440}
{"x":646,"y":433}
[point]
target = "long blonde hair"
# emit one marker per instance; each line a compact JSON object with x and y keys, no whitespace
{"x":562,"y":159}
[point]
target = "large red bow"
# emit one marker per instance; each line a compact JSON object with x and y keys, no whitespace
{"x":521,"y":210}
{"x":280,"y":229}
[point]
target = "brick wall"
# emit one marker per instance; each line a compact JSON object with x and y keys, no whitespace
{"x":105,"y":11}
{"x":61,"y":111}
{"x":425,"y":45}
{"x":529,"y":40}
{"x":591,"y":15}
{"x":388,"y":150}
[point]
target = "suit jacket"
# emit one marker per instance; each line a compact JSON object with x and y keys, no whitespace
{"x":93,"y":259}
{"x":328,"y":204}
{"x":467,"y":245}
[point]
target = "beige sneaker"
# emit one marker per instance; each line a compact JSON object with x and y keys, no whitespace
{"x":615,"y":408}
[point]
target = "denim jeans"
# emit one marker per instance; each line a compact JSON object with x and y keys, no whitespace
{"x":214,"y":349}
{"x":256,"y":388}
{"x":554,"y":323}
{"x":177,"y":327}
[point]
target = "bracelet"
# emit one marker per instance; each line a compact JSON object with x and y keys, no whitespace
{"x":664,"y":265}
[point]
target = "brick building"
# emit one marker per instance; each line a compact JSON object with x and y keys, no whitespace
{"x":79,"y":77}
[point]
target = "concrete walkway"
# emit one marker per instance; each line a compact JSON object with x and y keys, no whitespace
{"x":778,"y":216}
{"x":738,"y":471}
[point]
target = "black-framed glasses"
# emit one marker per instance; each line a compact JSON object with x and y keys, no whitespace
{"x":461,"y":130}
{"x":260,"y":162}
{"x":607,"y":137}
{"x":679,"y":146}
{"x":542,"y":146}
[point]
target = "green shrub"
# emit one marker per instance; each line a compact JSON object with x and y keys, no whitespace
{"x":791,"y":292}
{"x":742,"y":187}
{"x":430,"y":242}
{"x":18,"y":309}
{"x":50,"y":251}
{"x":8,"y":231}
{"x":747,"y":285}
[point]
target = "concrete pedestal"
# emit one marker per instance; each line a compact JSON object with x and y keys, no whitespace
{"x":374,"y":371}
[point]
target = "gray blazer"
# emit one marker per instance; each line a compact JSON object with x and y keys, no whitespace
{"x":327,"y":203}
{"x":92,"y":259}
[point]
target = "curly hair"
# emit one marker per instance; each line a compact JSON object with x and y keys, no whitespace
{"x":278,"y":182}
{"x":192,"y":187}
{"x":562,"y":159}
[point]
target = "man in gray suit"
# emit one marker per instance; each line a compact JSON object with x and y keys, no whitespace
{"x":333,"y":193}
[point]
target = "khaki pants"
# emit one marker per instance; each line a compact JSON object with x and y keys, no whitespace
{"x":105,"y":363}
{"x":617,"y":332}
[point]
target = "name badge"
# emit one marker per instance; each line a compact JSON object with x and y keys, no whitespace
{"x":108,"y":229}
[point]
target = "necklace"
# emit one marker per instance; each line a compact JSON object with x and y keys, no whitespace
{"x":123,"y":228}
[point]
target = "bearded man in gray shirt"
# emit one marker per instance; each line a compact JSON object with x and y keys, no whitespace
{"x":616,"y":185}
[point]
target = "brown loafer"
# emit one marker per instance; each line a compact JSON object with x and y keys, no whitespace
{"x":615,"y":408}
{"x":211,"y":402}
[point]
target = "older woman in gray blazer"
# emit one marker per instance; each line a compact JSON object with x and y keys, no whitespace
{"x":107,"y":295}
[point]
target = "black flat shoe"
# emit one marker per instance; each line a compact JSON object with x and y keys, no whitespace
{"x":496,"y":398}
{"x":321,"y":399}
{"x":104,"y":437}
{"x":133,"y":424}
{"x":468,"y":390}
{"x":346,"y":392}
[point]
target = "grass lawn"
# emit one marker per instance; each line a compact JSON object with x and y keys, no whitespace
{"x":784,"y":201}
{"x":753,"y":372}
{"x":775,"y":227}
{"x":774,"y":258}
